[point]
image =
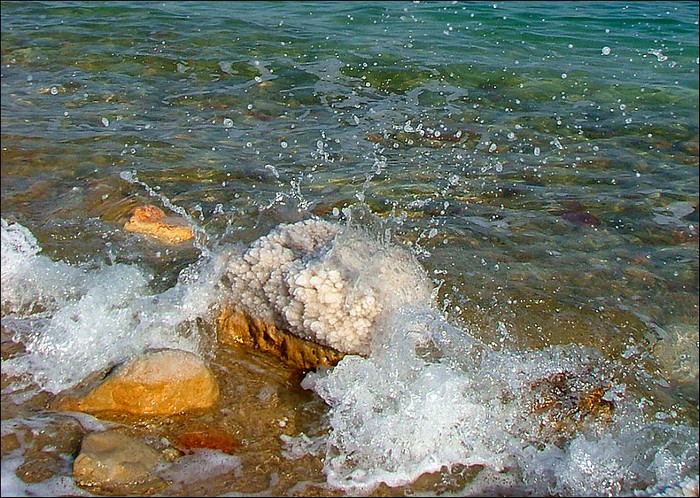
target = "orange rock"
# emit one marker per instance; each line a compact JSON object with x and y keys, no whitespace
{"x":151,"y":220}
{"x":163,"y":382}
{"x":148,"y":213}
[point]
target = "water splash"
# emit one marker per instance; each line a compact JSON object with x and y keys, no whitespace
{"x":74,"y":321}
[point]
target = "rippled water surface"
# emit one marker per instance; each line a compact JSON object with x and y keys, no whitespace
{"x":540,"y":159}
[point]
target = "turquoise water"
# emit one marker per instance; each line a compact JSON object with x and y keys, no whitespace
{"x":539,"y":159}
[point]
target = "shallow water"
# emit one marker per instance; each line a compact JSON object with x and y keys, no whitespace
{"x":541,"y":164}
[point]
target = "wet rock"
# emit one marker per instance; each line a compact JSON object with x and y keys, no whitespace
{"x":693,"y":215}
{"x":162,"y":382}
{"x":151,"y":220}
{"x":59,"y":433}
{"x":690,"y":147}
{"x":47,"y":444}
{"x":677,"y":353}
{"x":9,"y":442}
{"x":111,"y":460}
{"x":567,"y":403}
{"x":235,"y":327}
{"x":39,"y":467}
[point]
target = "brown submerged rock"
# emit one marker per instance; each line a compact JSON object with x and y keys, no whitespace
{"x":566,"y":405}
{"x":235,"y":327}
{"x":163,"y":382}
{"x":151,"y":220}
{"x":576,"y":213}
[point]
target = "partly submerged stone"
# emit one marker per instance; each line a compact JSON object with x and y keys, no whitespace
{"x":162,"y":382}
{"x":113,"y":461}
{"x":151,"y":220}
{"x":236,"y":327}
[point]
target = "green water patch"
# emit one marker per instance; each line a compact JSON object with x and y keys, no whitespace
{"x":388,"y":79}
{"x":474,"y":76}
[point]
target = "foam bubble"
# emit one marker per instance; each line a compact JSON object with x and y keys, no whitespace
{"x":200,"y":465}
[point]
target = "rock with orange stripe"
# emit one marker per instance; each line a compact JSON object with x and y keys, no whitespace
{"x":151,"y":220}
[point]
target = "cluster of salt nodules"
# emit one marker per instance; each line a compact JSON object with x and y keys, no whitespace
{"x":324,"y":282}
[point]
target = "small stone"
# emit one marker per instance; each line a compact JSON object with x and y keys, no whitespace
{"x":576,"y":213}
{"x":151,"y":220}
{"x":163,"y":382}
{"x":38,"y":467}
{"x":206,"y":437}
{"x":171,"y":454}
{"x":9,"y":442}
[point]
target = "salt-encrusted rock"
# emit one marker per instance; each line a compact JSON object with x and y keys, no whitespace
{"x":110,"y":459}
{"x":324,"y":283}
{"x":235,"y":327}
{"x":151,"y":220}
{"x":162,"y":382}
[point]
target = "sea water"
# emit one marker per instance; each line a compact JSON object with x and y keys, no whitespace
{"x":539,"y":164}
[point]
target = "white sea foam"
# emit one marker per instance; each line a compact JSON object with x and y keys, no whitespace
{"x":200,"y":465}
{"x":31,"y":281}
